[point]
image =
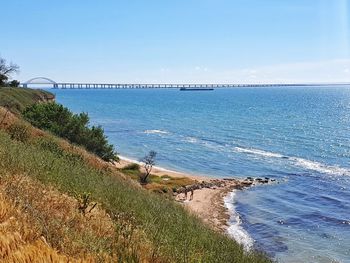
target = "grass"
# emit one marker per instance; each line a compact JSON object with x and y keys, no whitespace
{"x":18,"y":99}
{"x":164,"y":184}
{"x":19,"y":241}
{"x":51,"y":177}
{"x":173,"y":235}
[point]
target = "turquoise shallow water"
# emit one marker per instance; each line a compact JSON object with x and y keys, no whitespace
{"x":299,"y":135}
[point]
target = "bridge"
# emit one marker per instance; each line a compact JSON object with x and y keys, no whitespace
{"x":72,"y":85}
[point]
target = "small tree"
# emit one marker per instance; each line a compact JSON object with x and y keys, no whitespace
{"x":149,"y":162}
{"x":14,"y":83}
{"x":6,"y":70}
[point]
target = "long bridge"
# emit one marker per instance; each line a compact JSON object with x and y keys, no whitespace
{"x":73,"y":85}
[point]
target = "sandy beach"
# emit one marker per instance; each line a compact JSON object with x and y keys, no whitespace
{"x":208,"y":200}
{"x":159,"y":171}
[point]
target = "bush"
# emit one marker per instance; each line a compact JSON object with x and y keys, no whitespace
{"x":13,"y":83}
{"x":131,"y":167}
{"x":62,"y":122}
{"x":19,"y":132}
{"x":50,"y":145}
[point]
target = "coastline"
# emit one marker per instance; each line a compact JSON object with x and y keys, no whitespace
{"x":210,"y":199}
{"x":160,"y":171}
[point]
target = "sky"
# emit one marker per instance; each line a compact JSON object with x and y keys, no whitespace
{"x":178,"y":41}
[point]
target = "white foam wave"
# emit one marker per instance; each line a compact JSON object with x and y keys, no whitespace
{"x":155,"y":132}
{"x":258,"y":152}
{"x":191,"y":139}
{"x":304,"y":163}
{"x":319,"y":167}
{"x":235,"y":230}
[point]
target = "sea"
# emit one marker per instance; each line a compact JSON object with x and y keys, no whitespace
{"x":299,"y":136}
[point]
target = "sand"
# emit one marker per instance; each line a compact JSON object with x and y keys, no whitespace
{"x":161,"y":171}
{"x":208,"y":202}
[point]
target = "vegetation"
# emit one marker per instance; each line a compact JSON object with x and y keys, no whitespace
{"x":17,"y":99}
{"x":164,"y":184}
{"x":19,"y":241}
{"x":65,"y":199}
{"x":146,"y":227}
{"x":149,"y":161}
{"x":62,"y":122}
{"x":6,"y":70}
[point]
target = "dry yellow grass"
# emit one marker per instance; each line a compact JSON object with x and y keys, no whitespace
{"x":38,"y":215}
{"x":52,"y":214}
{"x":17,"y":246}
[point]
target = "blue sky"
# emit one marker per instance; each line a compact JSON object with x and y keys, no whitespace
{"x":179,"y":41}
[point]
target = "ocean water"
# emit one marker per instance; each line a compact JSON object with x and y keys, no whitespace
{"x":297,"y":135}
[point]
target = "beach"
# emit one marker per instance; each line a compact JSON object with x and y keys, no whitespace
{"x":208,"y":201}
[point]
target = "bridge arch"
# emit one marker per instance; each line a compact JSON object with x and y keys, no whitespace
{"x":40,"y":80}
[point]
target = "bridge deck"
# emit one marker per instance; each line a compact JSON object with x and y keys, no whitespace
{"x":67,"y":85}
{"x":72,"y":85}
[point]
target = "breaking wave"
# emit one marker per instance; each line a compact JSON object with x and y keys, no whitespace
{"x":258,"y":152}
{"x":304,"y":163}
{"x":235,"y":229}
{"x":155,"y":132}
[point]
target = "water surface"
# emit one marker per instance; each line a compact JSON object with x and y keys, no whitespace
{"x":297,"y":135}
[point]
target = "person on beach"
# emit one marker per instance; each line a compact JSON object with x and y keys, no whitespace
{"x":191,"y":195}
{"x":185,"y":192}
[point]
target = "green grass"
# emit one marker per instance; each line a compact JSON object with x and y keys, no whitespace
{"x":18,"y":99}
{"x":176,"y":235}
{"x":158,"y":184}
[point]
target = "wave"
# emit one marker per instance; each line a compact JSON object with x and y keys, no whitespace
{"x":191,"y":139}
{"x":258,"y":152}
{"x":320,"y":167}
{"x":304,"y":163}
{"x":235,"y":229}
{"x":155,"y":132}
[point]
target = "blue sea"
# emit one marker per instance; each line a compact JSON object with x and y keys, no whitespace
{"x":299,"y":136}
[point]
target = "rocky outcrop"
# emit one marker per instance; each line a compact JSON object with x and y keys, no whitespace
{"x":226,"y":182}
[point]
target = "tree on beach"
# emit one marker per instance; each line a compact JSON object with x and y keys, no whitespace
{"x":149,"y":162}
{"x":6,"y":70}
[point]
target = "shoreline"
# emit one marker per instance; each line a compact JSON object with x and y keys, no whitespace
{"x":210,"y":196}
{"x":160,"y":171}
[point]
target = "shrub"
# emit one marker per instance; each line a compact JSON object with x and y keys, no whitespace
{"x":13,"y":83}
{"x":131,"y":167}
{"x":19,"y":132}
{"x":50,"y":145}
{"x":61,"y":121}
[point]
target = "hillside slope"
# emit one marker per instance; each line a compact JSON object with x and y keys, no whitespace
{"x":86,"y":209}
{"x":18,"y":98}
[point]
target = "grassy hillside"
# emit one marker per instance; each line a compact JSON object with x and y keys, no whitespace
{"x":87,"y":209}
{"x":18,"y":98}
{"x":19,"y":240}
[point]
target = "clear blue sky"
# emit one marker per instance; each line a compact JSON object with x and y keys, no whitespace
{"x":178,"y":41}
